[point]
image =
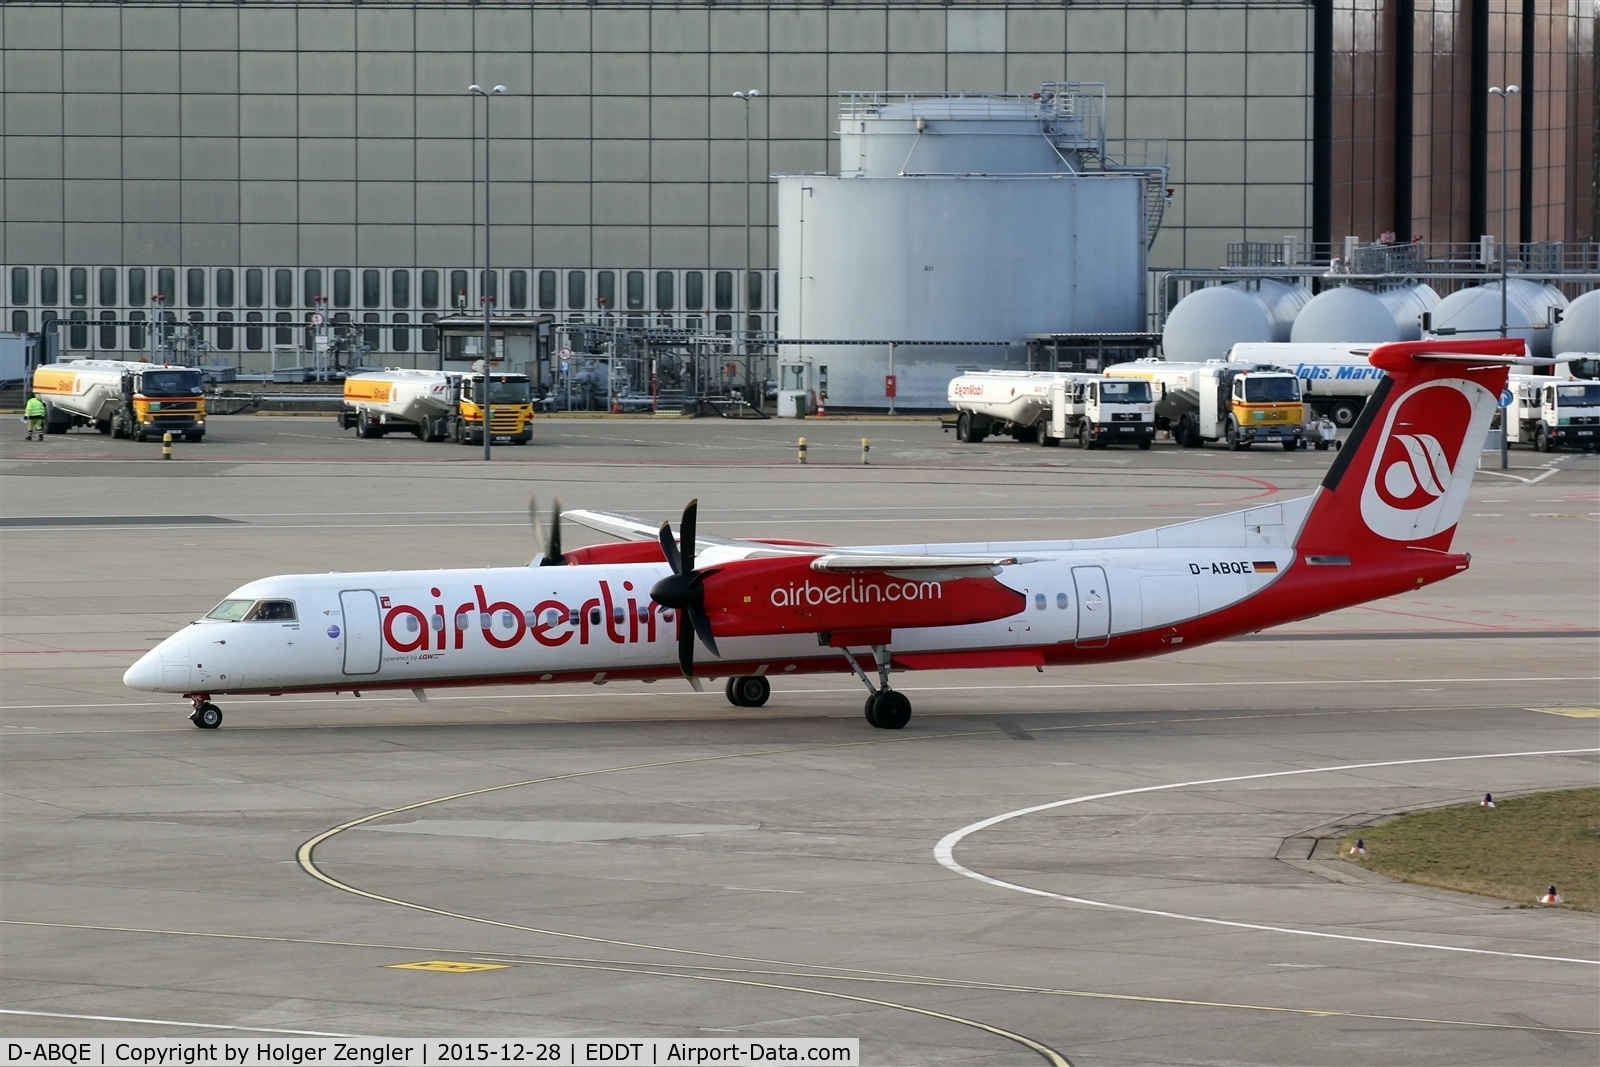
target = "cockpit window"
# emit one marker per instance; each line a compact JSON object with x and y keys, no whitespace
{"x":272,"y":611}
{"x":230,"y":610}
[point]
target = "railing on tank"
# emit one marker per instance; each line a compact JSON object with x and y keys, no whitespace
{"x":1352,"y":256}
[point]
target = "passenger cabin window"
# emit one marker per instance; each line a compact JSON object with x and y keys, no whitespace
{"x":272,"y":611}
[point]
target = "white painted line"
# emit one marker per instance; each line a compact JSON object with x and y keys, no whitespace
{"x":171,"y":1022}
{"x":944,"y":852}
{"x":571,"y":694}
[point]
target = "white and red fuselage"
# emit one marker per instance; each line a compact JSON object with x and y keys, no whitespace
{"x":1380,"y":524}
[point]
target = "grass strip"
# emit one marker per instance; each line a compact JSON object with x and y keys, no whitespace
{"x":1512,"y":851}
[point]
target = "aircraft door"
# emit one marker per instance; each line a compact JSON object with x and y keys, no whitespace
{"x":363,"y":631}
{"x":1094,"y":606}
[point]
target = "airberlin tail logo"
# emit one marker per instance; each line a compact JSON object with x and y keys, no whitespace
{"x":1421,"y":469}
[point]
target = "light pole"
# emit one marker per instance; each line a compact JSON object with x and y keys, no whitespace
{"x":1505,"y":96}
{"x":488,"y":278}
{"x":749,"y":377}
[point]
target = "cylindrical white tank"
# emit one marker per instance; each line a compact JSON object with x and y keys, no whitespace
{"x":1577,"y":335}
{"x":1208,"y":322}
{"x":1352,"y":314}
{"x":1476,"y":312}
{"x":955,"y":218}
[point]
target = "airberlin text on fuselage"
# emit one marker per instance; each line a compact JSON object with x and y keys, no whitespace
{"x":624,"y":619}
{"x":856,"y":592}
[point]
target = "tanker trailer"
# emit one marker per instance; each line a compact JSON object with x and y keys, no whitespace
{"x":137,"y":400}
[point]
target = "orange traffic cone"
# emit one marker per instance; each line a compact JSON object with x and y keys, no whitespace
{"x":1551,"y":897}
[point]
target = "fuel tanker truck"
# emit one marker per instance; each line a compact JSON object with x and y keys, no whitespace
{"x":1052,"y":406}
{"x":1238,"y":404}
{"x":437,"y":405}
{"x":137,"y":400}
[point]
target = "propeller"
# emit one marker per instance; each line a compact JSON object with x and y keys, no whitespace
{"x":549,"y":547}
{"x":683,"y":591}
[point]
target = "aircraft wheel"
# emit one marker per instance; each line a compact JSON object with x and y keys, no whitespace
{"x":891,"y":710}
{"x":207,"y":716}
{"x":749,"y":691}
{"x":872,"y":710}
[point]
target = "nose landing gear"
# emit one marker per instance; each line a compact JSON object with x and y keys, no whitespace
{"x":205,"y":715}
{"x":886,"y":709}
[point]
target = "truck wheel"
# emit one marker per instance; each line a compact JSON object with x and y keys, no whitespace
{"x":1231,"y":435}
{"x":1025,"y":434}
{"x":1541,"y":440}
{"x":965,"y":431}
{"x":524,"y":437}
{"x":104,"y":426}
{"x":194,"y":437}
{"x":1083,"y":436}
{"x":1046,"y":441}
{"x":1144,"y":445}
{"x":1345,"y":413}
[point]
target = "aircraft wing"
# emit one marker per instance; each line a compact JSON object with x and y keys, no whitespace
{"x":631,"y":529}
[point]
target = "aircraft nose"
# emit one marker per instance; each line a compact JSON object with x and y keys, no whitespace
{"x":145,"y":675}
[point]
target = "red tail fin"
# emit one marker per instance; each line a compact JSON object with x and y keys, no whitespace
{"x":1402,"y":477}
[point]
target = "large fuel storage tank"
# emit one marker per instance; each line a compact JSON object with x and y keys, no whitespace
{"x":1476,"y":312}
{"x":1349,"y":313}
{"x":1208,"y":322}
{"x":966,"y":217}
{"x":1577,"y":335}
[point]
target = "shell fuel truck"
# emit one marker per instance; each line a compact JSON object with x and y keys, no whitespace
{"x":137,"y":400}
{"x":436,"y":405}
{"x":1240,"y":405}
{"x":1052,"y":406}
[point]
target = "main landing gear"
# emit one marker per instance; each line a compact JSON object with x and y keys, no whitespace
{"x":205,"y":715}
{"x":749,"y":691}
{"x":885,"y":709}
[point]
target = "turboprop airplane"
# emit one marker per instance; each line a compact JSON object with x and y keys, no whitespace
{"x":1381,"y":523}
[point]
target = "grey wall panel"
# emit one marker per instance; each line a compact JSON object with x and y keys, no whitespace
{"x":92,"y":201}
{"x":263,"y":245}
{"x":390,"y":30}
{"x":35,"y":157}
{"x":327,"y":159}
{"x":87,"y":157}
{"x":152,"y":243}
{"x":380,"y":160}
{"x":265,"y":158}
{"x":98,"y":71}
{"x":151,"y":157}
{"x":202,"y":28}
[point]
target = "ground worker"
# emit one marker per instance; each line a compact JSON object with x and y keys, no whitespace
{"x":33,"y":411}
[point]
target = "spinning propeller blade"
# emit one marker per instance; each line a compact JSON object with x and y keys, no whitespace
{"x":549,"y":547}
{"x":682,"y":590}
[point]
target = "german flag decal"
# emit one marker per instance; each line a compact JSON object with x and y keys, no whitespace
{"x":1265,"y":567}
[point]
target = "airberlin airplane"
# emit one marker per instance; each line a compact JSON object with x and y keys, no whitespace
{"x":1381,"y":523}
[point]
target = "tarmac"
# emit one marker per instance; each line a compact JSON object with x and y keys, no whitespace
{"x":1126,"y":864}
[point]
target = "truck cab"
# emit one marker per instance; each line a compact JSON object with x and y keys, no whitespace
{"x":1246,"y":407}
{"x":1552,"y":413}
{"x":162,"y":400}
{"x":1102,"y":411}
{"x":510,"y":401}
